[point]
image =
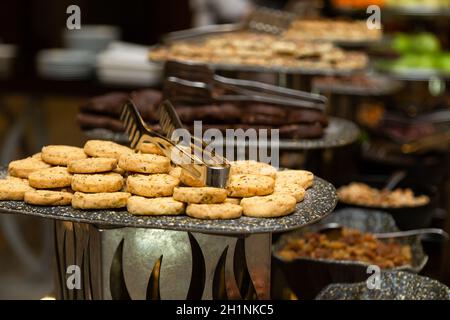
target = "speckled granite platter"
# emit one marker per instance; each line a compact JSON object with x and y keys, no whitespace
{"x":394,"y":285}
{"x":339,"y":133}
{"x":319,"y":201}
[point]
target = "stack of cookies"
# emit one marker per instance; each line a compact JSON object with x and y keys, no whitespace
{"x":106,"y":175}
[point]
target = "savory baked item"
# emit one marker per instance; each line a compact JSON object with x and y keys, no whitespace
{"x":152,"y":186}
{"x":175,"y":172}
{"x":271,"y":206}
{"x":61,"y":155}
{"x":109,"y":200}
{"x":252,"y":167}
{"x":188,"y":180}
{"x":303,"y":178}
{"x":155,"y":207}
{"x":214,"y":211}
{"x":23,"y":168}
{"x":13,"y":189}
{"x":92,"y":165}
{"x":97,"y":183}
{"x":105,"y":149}
{"x":50,"y":178}
{"x":233,"y":200}
{"x":151,"y":148}
{"x":205,"y":195}
{"x":48,"y":198}
{"x":292,"y":189}
{"x":249,"y":185}
{"x":144,"y":163}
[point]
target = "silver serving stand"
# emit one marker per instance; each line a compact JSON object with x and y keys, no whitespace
{"x":120,"y":256}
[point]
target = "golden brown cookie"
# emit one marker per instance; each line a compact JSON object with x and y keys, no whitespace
{"x":188,"y":180}
{"x":50,"y":178}
{"x":274,"y":205}
{"x":303,"y":178}
{"x":249,"y":185}
{"x":205,"y":195}
{"x":92,"y":165}
{"x":110,"y":200}
{"x":97,"y":183}
{"x":155,"y":207}
{"x":152,"y":186}
{"x":233,"y":200}
{"x":214,"y":211}
{"x":62,"y":155}
{"x":292,"y":189}
{"x":151,"y":148}
{"x":144,"y":163}
{"x":252,"y":167}
{"x":105,"y":149}
{"x":13,"y":189}
{"x":48,"y":198}
{"x":175,"y":172}
{"x":23,"y":168}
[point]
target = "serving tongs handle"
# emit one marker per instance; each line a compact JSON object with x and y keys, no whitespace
{"x":203,"y":31}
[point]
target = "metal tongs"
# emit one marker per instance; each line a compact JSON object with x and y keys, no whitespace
{"x":191,"y":82}
{"x":192,"y":156}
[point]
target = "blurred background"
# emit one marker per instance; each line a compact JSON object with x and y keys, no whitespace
{"x":400,"y":100}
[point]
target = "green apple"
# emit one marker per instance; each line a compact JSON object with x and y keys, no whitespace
{"x":401,"y":43}
{"x":426,"y":43}
{"x":443,"y":62}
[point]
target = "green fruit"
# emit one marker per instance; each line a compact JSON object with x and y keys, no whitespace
{"x":443,"y":63}
{"x":401,"y":43}
{"x":426,"y":43}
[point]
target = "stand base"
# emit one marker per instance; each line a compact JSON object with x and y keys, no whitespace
{"x":99,"y":263}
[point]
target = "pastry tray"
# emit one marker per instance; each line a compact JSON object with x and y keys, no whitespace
{"x":319,"y":200}
{"x":339,"y":133}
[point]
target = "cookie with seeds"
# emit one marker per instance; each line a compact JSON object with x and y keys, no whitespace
{"x":303,"y":178}
{"x":152,"y":186}
{"x":252,"y":167}
{"x":250,"y":185}
{"x":204,"y":195}
{"x":233,"y":200}
{"x":92,"y":165}
{"x":292,"y":189}
{"x":92,"y":201}
{"x":144,"y":163}
{"x":271,"y":206}
{"x":23,"y":168}
{"x":150,"y":148}
{"x":50,"y":178}
{"x":13,"y":189}
{"x":214,"y":211}
{"x":58,"y":155}
{"x":48,"y":198}
{"x":105,"y":149}
{"x":175,"y":172}
{"x":188,"y":180}
{"x":155,"y":206}
{"x":97,"y":183}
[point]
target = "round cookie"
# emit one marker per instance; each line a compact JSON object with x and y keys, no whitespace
{"x":111,"y":200}
{"x":175,"y":172}
{"x":92,"y":165}
{"x":249,"y":185}
{"x":292,"y":189}
{"x":150,"y":148}
{"x":97,"y":183}
{"x":105,"y":149}
{"x":152,"y":186}
{"x":48,"y":198}
{"x":154,"y":207}
{"x":144,"y":163}
{"x":187,"y":179}
{"x":214,"y":211}
{"x":252,"y":167}
{"x":13,"y":189}
{"x":205,"y":195}
{"x":23,"y":168}
{"x":62,"y":155}
{"x":51,"y":178}
{"x":274,"y":205}
{"x":303,"y":178}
